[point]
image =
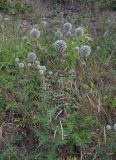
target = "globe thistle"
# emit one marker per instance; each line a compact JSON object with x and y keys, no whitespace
{"x":41,"y":72}
{"x":61,"y":14}
{"x":43,"y":68}
{"x":76,"y":48}
{"x":85,"y":50}
{"x":29,"y":65}
{"x":114,"y":127}
{"x":58,"y":34}
{"x":35,"y":33}
{"x":17,"y":60}
{"x":79,"y":31}
{"x":31,"y":56}
{"x":68,"y":26}
{"x":44,"y":23}
{"x":21,"y":65}
{"x":69,"y":34}
{"x":60,"y":46}
{"x":37,"y":62}
{"x":108,"y":127}
{"x":50,"y":73}
{"x":38,"y":66}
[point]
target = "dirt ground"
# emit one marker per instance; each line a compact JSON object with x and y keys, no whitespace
{"x":89,"y":13}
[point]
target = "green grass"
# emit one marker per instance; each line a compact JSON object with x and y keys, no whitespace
{"x":69,"y":117}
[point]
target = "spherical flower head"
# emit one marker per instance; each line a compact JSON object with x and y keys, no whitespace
{"x":76,"y":48}
{"x":43,"y":68}
{"x":38,"y":66}
{"x":68,"y":26}
{"x":44,"y":23}
{"x":21,"y":65}
{"x":37,"y":62}
{"x":31,"y":56}
{"x":58,"y":34}
{"x":60,"y":46}
{"x":17,"y":60}
{"x":35,"y":33}
{"x":61,"y":14}
{"x":50,"y":73}
{"x":85,"y":50}
{"x":41,"y":72}
{"x":79,"y":31}
{"x":108,"y":127}
{"x":69,"y":34}
{"x":29,"y":65}
{"x":114,"y":127}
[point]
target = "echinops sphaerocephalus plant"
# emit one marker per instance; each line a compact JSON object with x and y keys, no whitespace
{"x":31,"y":56}
{"x":85,"y":50}
{"x":68,"y":26}
{"x":35,"y":33}
{"x":60,"y":46}
{"x":79,"y":31}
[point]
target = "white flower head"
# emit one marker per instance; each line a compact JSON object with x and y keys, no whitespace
{"x":31,"y":56}
{"x":50,"y":73}
{"x":17,"y":60}
{"x":29,"y":65}
{"x":79,"y":31}
{"x":69,"y":34}
{"x":68,"y":26}
{"x":43,"y":68}
{"x":35,"y":33}
{"x":61,"y":14}
{"x":44,"y":23}
{"x":38,"y":66}
{"x":37,"y":62}
{"x":76,"y":48}
{"x":21,"y":65}
{"x":60,"y":46}
{"x":58,"y":34}
{"x":114,"y":127}
{"x":85,"y":50}
{"x":41,"y":72}
{"x":108,"y":127}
